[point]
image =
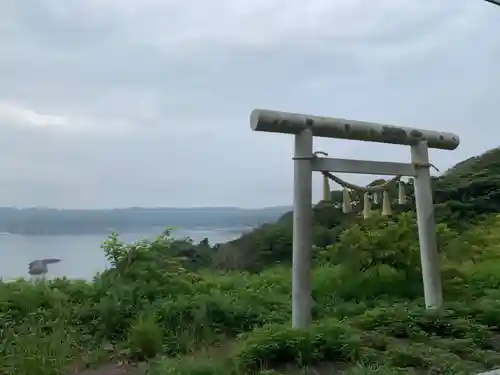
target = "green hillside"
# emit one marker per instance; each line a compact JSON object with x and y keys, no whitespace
{"x":464,"y":195}
{"x":174,"y":307}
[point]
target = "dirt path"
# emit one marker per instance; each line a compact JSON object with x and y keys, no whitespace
{"x":215,"y":352}
{"x":114,"y":369}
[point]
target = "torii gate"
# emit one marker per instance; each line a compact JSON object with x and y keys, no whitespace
{"x":304,"y":128}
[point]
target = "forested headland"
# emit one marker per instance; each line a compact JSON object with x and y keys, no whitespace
{"x":50,"y":221}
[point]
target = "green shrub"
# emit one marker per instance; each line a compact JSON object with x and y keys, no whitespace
{"x":330,"y":340}
{"x":145,"y":338}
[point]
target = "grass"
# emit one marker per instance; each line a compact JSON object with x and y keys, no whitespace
{"x":149,"y":308}
{"x":401,"y":338}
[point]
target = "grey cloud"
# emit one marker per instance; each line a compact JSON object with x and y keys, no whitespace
{"x":166,"y":91}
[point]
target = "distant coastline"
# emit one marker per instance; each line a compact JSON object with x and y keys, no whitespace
{"x":47,"y":221}
{"x":153,"y":230}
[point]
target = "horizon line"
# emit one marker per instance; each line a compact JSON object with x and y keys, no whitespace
{"x":144,"y":208}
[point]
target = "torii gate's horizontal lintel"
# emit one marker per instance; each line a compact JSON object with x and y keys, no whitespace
{"x":363,"y":167}
{"x":328,"y":127}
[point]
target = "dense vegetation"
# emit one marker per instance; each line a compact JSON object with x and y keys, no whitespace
{"x":194,"y":312}
{"x":51,"y":221}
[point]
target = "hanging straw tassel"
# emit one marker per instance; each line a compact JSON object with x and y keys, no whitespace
{"x":346,"y":201}
{"x":326,"y":189}
{"x":367,"y":209}
{"x":401,"y":193}
{"x":386,"y":205}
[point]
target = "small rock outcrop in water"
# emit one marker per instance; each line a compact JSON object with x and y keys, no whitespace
{"x":39,"y":267}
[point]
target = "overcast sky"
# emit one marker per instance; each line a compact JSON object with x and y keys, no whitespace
{"x":112,"y":103}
